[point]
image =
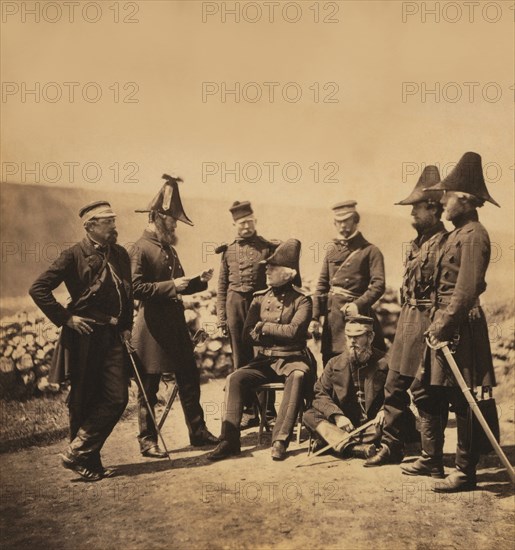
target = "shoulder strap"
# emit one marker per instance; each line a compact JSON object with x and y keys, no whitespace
{"x":96,"y":282}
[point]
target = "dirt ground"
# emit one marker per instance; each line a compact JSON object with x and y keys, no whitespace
{"x":246,"y":502}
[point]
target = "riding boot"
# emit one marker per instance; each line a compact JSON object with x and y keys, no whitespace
{"x":432,"y":438}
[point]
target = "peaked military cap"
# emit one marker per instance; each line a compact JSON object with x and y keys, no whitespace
{"x":467,"y":177}
{"x":344,"y":210}
{"x":241,"y":210}
{"x":422,"y":191}
{"x":96,"y":210}
{"x":358,"y":325}
{"x":168,"y":200}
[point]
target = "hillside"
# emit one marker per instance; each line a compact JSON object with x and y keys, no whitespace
{"x":38,"y":222}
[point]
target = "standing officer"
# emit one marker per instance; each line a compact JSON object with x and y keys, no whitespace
{"x":161,"y":336}
{"x":97,"y":274}
{"x":241,"y":274}
{"x":277,"y":324}
{"x":458,"y":319}
{"x":408,"y":346}
{"x":351,"y":281}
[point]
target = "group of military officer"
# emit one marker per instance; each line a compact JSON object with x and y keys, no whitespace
{"x":360,"y":403}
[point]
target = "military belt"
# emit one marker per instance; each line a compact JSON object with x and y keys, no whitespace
{"x":418,"y":303}
{"x":446,"y":300}
{"x":271,"y":352}
{"x":340,"y":291}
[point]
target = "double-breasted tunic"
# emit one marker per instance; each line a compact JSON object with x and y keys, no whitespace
{"x":459,"y":281}
{"x":407,"y":351}
{"x":355,"y":267}
{"x":277,"y":325}
{"x":160,"y":335}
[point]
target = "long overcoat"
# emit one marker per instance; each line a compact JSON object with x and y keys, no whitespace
{"x":459,"y":281}
{"x":78,"y":268}
{"x":408,"y":348}
{"x":160,"y":334}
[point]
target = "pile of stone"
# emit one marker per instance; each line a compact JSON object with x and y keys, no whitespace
{"x":27,"y":342}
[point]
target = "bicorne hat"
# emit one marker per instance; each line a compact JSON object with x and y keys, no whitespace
{"x":168,"y":200}
{"x":423,"y":190}
{"x":467,"y":177}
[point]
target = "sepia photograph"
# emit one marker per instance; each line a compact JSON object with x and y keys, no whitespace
{"x":257,"y":285}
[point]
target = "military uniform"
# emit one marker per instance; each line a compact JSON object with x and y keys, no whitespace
{"x":349,"y":389}
{"x":408,"y":348}
{"x":98,"y":280}
{"x":457,"y":318}
{"x":284,"y":315}
{"x":161,"y":336}
{"x":277,"y":325}
{"x":352,"y":271}
{"x":241,"y":274}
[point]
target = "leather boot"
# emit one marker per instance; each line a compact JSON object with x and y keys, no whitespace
{"x":456,"y":482}
{"x":432,"y":438}
{"x":360,"y":450}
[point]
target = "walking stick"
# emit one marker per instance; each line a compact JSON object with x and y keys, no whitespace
{"x":132,"y":355}
{"x":345,"y":438}
{"x":200,"y":336}
{"x":474,"y":406}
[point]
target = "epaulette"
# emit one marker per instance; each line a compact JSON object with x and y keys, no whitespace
{"x":300,"y":290}
{"x":261,"y":292}
{"x":222,"y":248}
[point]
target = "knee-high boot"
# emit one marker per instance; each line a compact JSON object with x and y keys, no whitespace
{"x":432,"y":438}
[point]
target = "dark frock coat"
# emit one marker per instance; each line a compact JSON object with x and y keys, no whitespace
{"x":160,"y":334}
{"x":459,"y":281}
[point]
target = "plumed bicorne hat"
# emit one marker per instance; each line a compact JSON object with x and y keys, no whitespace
{"x":168,"y":200}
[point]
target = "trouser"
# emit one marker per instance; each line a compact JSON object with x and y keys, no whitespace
{"x":237,"y":307}
{"x":105,"y":382}
{"x":242,"y":382}
{"x":399,"y":422}
{"x":238,"y":304}
{"x":435,"y":400}
{"x":188,"y":382}
{"x":323,"y":429}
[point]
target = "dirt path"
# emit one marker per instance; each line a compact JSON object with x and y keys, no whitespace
{"x":246,"y":502}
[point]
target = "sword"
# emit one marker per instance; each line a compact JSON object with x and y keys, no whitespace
{"x":345,"y":438}
{"x":443,"y":346}
{"x":200,"y":336}
{"x":132,"y":355}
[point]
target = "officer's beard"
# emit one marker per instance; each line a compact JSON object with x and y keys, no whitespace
{"x":164,"y":235}
{"x":360,"y":355}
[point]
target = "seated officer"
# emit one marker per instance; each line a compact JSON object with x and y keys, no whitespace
{"x":350,"y":392}
{"x":277,"y":325}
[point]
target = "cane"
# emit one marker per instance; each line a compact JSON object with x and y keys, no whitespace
{"x":345,"y":438}
{"x":131,"y":354}
{"x":443,"y":346}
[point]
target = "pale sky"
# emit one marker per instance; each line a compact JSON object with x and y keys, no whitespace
{"x":377,"y":142}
